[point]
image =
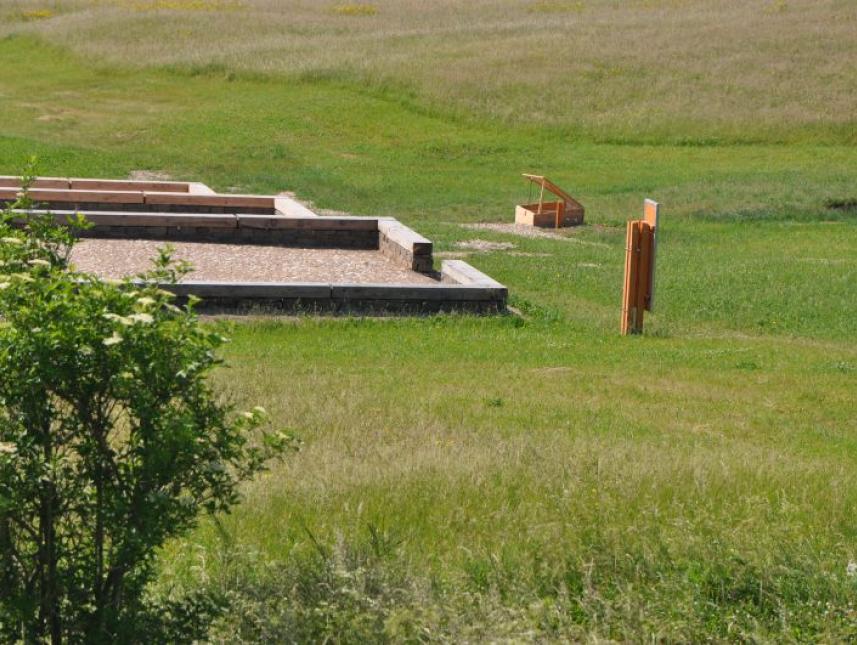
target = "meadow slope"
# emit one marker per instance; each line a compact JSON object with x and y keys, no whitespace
{"x":610,"y":70}
{"x":522,"y":477}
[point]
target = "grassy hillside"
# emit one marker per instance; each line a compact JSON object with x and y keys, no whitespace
{"x":609,"y":70}
{"x":529,"y":477}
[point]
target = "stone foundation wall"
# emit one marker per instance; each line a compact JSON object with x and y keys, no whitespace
{"x":307,"y":238}
{"x":342,"y":298}
{"x":310,"y":232}
{"x":156,"y":208}
{"x":462,"y":288}
{"x":405,"y":246}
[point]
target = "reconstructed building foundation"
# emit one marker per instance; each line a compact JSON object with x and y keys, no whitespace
{"x":309,"y":262}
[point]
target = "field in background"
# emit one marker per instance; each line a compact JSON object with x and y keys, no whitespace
{"x":611,"y":70}
{"x":520,"y":477}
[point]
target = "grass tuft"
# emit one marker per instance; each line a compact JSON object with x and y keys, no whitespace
{"x":37,"y":14}
{"x":355,"y":9}
{"x":145,"y":6}
{"x":558,"y":6}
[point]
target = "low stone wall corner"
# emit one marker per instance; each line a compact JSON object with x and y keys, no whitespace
{"x":404,"y":246}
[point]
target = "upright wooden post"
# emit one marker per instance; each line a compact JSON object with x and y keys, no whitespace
{"x":651,"y":215}
{"x":632,"y":255}
{"x":639,"y":283}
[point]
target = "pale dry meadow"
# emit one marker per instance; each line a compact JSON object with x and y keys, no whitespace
{"x":612,"y":70}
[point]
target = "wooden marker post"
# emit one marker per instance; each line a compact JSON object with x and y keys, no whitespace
{"x":638,"y":292}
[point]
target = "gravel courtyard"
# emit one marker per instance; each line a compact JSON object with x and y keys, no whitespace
{"x":244,"y":262}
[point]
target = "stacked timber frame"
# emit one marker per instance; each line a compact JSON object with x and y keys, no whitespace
{"x":189,"y":211}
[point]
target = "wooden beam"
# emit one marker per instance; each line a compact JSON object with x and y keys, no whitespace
{"x":638,"y":284}
{"x":629,"y":321}
{"x":651,"y":215}
{"x":544,"y":182}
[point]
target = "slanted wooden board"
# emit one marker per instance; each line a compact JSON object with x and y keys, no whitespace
{"x":547,"y":184}
{"x":564,"y":211}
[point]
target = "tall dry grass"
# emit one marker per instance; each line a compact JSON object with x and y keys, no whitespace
{"x":486,"y":480}
{"x":642,"y":69}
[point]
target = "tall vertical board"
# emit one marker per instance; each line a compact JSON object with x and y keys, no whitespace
{"x":631,"y":286}
{"x":651,"y":216}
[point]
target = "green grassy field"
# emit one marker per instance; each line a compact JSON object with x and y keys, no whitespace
{"x":528,"y":477}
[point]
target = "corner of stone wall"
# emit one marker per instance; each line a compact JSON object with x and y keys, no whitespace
{"x":404,"y":246}
{"x":460,"y":272}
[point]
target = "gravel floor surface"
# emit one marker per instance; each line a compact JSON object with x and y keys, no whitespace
{"x":244,"y":262}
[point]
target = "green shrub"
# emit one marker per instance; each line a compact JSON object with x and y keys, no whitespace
{"x":111,"y":442}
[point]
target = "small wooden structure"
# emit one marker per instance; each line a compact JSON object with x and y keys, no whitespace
{"x":565,"y":211}
{"x":638,"y":293}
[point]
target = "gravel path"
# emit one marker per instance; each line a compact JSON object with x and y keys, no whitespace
{"x":244,"y":262}
{"x":517,"y":229}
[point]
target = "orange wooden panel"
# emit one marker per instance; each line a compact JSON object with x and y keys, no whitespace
{"x":651,"y":215}
{"x":644,"y":266}
{"x":546,"y":183}
{"x":630,"y":286}
{"x":651,"y":212}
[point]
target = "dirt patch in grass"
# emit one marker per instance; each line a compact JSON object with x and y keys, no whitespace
{"x":516,"y":229}
{"x":553,"y":370}
{"x":484,"y":246}
{"x":452,"y":255}
{"x":566,"y":234}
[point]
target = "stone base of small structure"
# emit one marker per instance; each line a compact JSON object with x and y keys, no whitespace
{"x":545,"y":215}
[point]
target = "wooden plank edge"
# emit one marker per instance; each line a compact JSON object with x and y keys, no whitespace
{"x":418,"y":292}
{"x":462,"y":273}
{"x":289,"y":207}
{"x":130,"y":218}
{"x":197,"y":188}
{"x":335,"y":291}
{"x":314,"y":222}
{"x":405,"y":237}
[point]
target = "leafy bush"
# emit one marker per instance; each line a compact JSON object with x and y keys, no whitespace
{"x":111,"y":442}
